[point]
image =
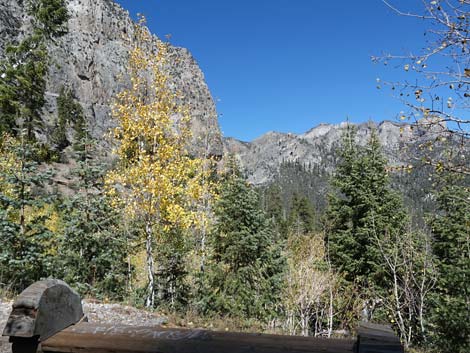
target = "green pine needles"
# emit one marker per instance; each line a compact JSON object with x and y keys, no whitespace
{"x":451,"y":229}
{"x":361,"y":208}
{"x":245,"y":273}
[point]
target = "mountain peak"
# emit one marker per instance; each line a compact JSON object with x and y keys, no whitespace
{"x":263,"y":157}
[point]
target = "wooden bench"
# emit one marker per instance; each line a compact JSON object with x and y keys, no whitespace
{"x":48,"y":317}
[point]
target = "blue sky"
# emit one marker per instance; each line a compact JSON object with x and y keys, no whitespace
{"x":289,"y":65}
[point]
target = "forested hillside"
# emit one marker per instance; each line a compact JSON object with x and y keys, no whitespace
{"x":112,"y":178}
{"x":305,"y":163}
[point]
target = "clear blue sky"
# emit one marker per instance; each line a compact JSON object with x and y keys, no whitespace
{"x":288,"y":65}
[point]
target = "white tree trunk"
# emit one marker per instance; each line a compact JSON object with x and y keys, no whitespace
{"x":401,"y":321}
{"x":150,"y":300}
{"x":330,"y":312}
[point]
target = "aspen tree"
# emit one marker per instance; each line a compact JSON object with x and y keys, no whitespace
{"x":436,"y":91}
{"x":156,"y":181}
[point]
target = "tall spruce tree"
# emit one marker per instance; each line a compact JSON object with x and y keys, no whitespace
{"x":272,"y":204}
{"x":171,"y":272}
{"x":49,"y":17}
{"x":24,"y":67}
{"x":451,"y":229}
{"x":361,"y":208}
{"x":302,"y":215}
{"x":94,"y":244}
{"x":245,"y":273}
{"x":27,"y":251}
{"x":69,"y":113}
{"x":28,"y":244}
{"x":22,"y":85}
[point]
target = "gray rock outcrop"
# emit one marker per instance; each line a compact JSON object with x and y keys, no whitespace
{"x":91,"y":60}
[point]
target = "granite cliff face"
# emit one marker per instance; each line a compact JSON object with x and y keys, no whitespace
{"x":91,"y":60}
{"x":316,"y":149}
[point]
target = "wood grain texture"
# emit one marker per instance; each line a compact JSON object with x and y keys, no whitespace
{"x":374,"y":338}
{"x":50,"y":312}
{"x":43,"y":309}
{"x":93,"y":338}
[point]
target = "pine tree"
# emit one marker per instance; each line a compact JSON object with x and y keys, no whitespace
{"x":94,"y":245}
{"x":302,"y":215}
{"x":22,"y":85}
{"x":361,"y":207}
{"x":28,"y":243}
{"x":24,"y":68}
{"x":173,"y":290}
{"x":69,"y":113}
{"x":245,"y":272}
{"x":272,"y":204}
{"x":50,"y":17}
{"x":451,"y":229}
{"x":59,"y":133}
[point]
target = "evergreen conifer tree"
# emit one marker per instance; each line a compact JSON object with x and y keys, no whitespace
{"x":246,"y":267}
{"x":451,"y":229}
{"x":27,"y":251}
{"x":272,"y":204}
{"x":94,"y":244}
{"x":69,"y":113}
{"x":302,"y":215}
{"x":22,"y":85}
{"x":361,"y":208}
{"x":50,"y":17}
{"x":24,"y":67}
{"x":172,"y":270}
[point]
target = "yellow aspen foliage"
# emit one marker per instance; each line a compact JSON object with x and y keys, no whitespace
{"x":156,"y":182}
{"x":156,"y":178}
{"x":9,"y":164}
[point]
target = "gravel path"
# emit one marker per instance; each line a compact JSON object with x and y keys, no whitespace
{"x":96,"y":312}
{"x":5,"y":308}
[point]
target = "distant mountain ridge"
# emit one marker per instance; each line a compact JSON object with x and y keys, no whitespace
{"x":304,"y":163}
{"x":262,"y":157}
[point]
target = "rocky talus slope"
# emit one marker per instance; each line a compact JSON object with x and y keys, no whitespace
{"x":91,"y":60}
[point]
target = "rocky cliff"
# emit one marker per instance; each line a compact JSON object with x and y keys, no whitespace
{"x":91,"y":60}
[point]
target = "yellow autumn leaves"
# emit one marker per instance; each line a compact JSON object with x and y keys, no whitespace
{"x":9,"y":163}
{"x":156,"y":179}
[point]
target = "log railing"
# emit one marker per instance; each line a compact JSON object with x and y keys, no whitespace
{"x":48,"y":317}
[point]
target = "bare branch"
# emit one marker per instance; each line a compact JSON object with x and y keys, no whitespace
{"x":407,"y":14}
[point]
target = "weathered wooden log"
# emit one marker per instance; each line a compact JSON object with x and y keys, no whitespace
{"x":40,"y":311}
{"x":50,"y":312}
{"x":93,"y":338}
{"x":373,"y":338}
